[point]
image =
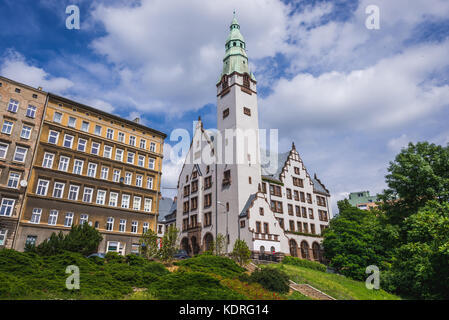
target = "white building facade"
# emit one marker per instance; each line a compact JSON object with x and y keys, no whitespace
{"x":224,"y":189}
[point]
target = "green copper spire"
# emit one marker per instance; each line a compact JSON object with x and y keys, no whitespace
{"x":235,"y":59}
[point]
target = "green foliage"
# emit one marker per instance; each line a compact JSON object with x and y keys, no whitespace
{"x":169,"y":247}
{"x":192,"y":286}
{"x":241,"y":253}
{"x":149,"y":247}
{"x":304,"y":263}
{"x":222,"y":266}
{"x":219,"y":245}
{"x":81,"y":238}
{"x":271,"y":279}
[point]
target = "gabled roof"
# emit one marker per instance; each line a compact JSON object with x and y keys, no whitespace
{"x":165,"y":208}
{"x":248,"y":205}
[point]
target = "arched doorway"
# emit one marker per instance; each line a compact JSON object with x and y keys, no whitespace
{"x":305,"y":250}
{"x":195,"y":246}
{"x":293,"y":248}
{"x":316,"y":250}
{"x":208,"y":242}
{"x":185,"y":245}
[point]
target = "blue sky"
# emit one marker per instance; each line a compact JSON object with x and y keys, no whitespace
{"x":348,"y":96}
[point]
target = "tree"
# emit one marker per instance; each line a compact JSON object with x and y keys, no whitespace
{"x":241,"y":253}
{"x":169,"y":244}
{"x":149,"y":244}
{"x":219,"y":245}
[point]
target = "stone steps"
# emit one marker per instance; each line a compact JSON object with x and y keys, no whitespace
{"x":310,"y":291}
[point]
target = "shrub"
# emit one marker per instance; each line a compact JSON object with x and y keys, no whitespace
{"x":304,"y":263}
{"x":271,"y":279}
{"x":241,"y":252}
{"x":207,"y":263}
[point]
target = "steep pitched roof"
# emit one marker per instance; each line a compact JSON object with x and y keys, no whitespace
{"x":165,"y":208}
{"x":270,"y":170}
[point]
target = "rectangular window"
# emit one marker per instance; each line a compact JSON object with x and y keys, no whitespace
{"x":68,"y":141}
{"x":107,"y":152}
{"x":143,"y":143}
{"x":92,"y":170}
{"x":152,"y":147}
{"x":85,"y":126}
{"x":150,"y":183}
{"x":87,"y":196}
{"x":57,"y":117}
{"x":13,"y":105}
{"x":84,"y":218}
{"x":47,"y":162}
{"x":289,"y":193}
{"x":118,"y":154}
{"x":130,"y":158}
{"x":63,"y":163}
{"x":3,"y":237}
{"x":73,"y":192}
{"x":137,"y":203}
{"x":68,"y":221}
{"x":132,"y":140}
{"x":97,"y":130}
{"x":95,"y":149}
{"x":290,"y":209}
{"x":26,"y":132}
{"x":58,"y":190}
{"x":78,"y":166}
{"x":151,"y":162}
{"x":109,"y":133}
{"x":207,"y":200}
{"x":304,"y":212}
{"x":42,"y":187}
{"x":122,"y":225}
{"x":121,"y":137}
{"x":3,"y":150}
{"x":139,"y":180}
{"x":125,"y":201}
{"x":7,"y":207}
{"x":309,"y":198}
{"x":116,"y":175}
{"x":148,"y":204}
{"x":104,"y":173}
{"x":113,"y":198}
{"x":141,"y":161}
{"x":225,"y":113}
{"x":101,"y":197}
{"x":247,"y":111}
{"x":134,"y":226}
{"x":31,"y":241}
{"x":53,"y":137}
{"x":310,"y":213}
{"x":20,"y":154}
{"x":128,"y":177}
{"x":296,"y":195}
{"x":145,"y":227}
{"x":31,"y":111}
{"x":7,"y":127}
{"x":36,"y":215}
{"x":82,"y":145}
{"x":13,"y":180}
{"x":72,"y":122}
{"x":53,"y":217}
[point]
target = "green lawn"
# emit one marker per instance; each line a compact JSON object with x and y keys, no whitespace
{"x":337,"y":286}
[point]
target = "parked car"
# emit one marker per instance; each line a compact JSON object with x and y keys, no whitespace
{"x":181,"y":254}
{"x":98,"y":254}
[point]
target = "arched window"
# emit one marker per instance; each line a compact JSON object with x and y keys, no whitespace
{"x":305,"y":250}
{"x":262,"y":249}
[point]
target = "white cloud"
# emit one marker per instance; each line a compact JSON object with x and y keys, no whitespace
{"x":396,"y":144}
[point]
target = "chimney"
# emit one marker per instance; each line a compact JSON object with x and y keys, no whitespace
{"x":137,"y":120}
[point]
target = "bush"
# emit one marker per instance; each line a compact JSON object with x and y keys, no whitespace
{"x":207,"y":263}
{"x":304,"y":263}
{"x":271,"y":279}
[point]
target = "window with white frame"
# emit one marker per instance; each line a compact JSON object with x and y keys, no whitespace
{"x":145,"y":227}
{"x":107,"y":152}
{"x":31,"y":240}
{"x":141,"y":161}
{"x":53,"y":136}
{"x":95,"y":148}
{"x":84,"y":218}
{"x":148,"y":205}
{"x":113,"y":199}
{"x":139,"y":180}
{"x":97,"y":130}
{"x":20,"y":154}
{"x":104,"y":173}
{"x":119,"y":154}
{"x":58,"y":189}
{"x":57,"y":117}
{"x":82,"y":145}
{"x":137,"y":203}
{"x":153,"y":147}
{"x":13,"y":179}
{"x":143,"y":143}
{"x":63,"y":163}
{"x":53,"y":217}
{"x":121,"y":137}
{"x":78,"y":166}
{"x":13,"y":105}
{"x":116,"y":175}
{"x":42,"y":187}
{"x":47,"y":161}
{"x":134,"y":226}
{"x":68,"y":221}
{"x":149,"y":182}
{"x":122,"y":225}
{"x":130,"y":158}
{"x":7,"y":127}
{"x":72,"y":122}
{"x":92,"y":170}
{"x":132,"y":140}
{"x":3,"y":150}
{"x":36,"y":215}
{"x":110,"y":224}
{"x":125,"y":201}
{"x":128,"y":177}
{"x":101,"y":197}
{"x":26,"y":132}
{"x":110,"y":133}
{"x":87,"y":196}
{"x":31,"y":111}
{"x":73,"y":192}
{"x":68,"y":141}
{"x":7,"y":207}
{"x":113,"y":246}
{"x":85,"y":126}
{"x":151,"y":162}
{"x":3,"y":237}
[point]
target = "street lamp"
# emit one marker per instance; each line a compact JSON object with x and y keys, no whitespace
{"x":227,"y":234}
